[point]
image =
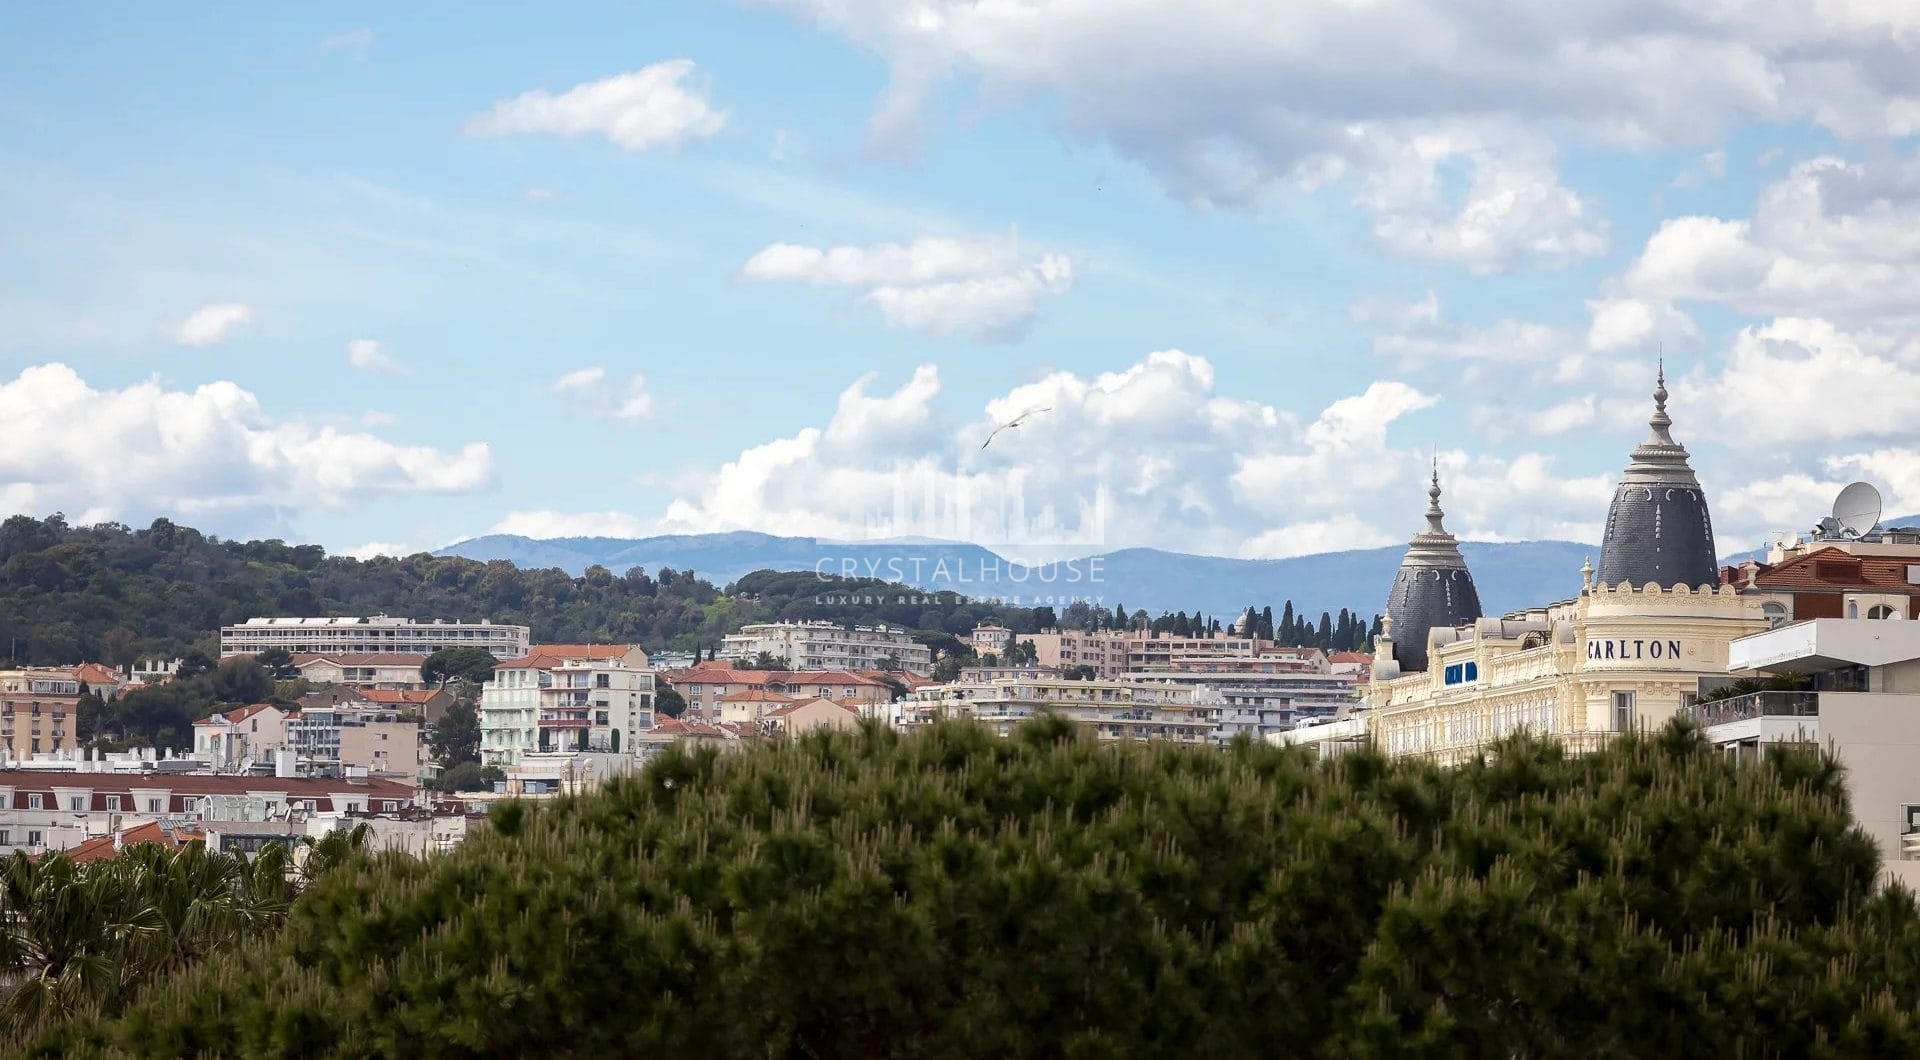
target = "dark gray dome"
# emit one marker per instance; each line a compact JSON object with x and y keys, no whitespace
{"x":1658,"y":529}
{"x":1433,"y":589}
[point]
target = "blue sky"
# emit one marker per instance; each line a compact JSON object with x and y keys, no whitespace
{"x":338,"y":277}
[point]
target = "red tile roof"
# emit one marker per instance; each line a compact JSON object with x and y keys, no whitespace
{"x":42,"y":782}
{"x":583,"y":651}
{"x":151,"y":832}
{"x":235,"y":715}
{"x":1833,"y":569}
{"x":1350,"y":657}
{"x":95,"y":674}
{"x":792,"y":707}
{"x":755,"y":695}
{"x":707,"y":673}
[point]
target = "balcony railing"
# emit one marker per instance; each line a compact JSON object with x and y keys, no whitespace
{"x":1755,"y":705}
{"x":563,"y":721}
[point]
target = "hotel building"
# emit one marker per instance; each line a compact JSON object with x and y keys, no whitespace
{"x":376,"y":635}
{"x":1645,"y":634}
{"x":39,"y":711}
{"x":828,"y":646}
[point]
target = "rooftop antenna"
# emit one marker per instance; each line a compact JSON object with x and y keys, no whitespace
{"x":1857,"y":509}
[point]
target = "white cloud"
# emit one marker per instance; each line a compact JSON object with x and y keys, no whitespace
{"x":636,"y":402}
{"x":1224,"y":102}
{"x":211,"y":324}
{"x":1831,"y":238}
{"x":1799,"y":382}
{"x":580,"y":379}
{"x":982,"y":287}
{"x":1635,"y":323}
{"x":1513,"y":211}
{"x":1333,"y":534}
{"x":538,"y":194}
{"x":380,"y":548}
{"x":1706,"y":169}
{"x":632,"y":403}
{"x":545,"y":524}
{"x":650,"y":107}
{"x":366,"y":355}
{"x":145,"y":449}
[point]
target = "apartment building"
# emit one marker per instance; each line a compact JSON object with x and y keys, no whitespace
{"x":398,"y":671}
{"x":39,"y":711}
{"x":804,"y":716}
{"x":1110,"y":710}
{"x":233,"y":739}
{"x":989,"y":639}
{"x":43,"y":809}
{"x":1113,"y":652}
{"x":703,"y":686}
{"x":550,"y":702}
{"x":375,"y":635}
{"x":823,"y":645}
{"x":331,"y":740}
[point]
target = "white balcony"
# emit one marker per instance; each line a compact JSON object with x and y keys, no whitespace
{"x":1826,"y":644}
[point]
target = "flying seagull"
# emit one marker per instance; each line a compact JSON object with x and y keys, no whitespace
{"x":1014,"y":422}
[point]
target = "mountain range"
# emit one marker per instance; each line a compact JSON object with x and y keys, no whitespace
{"x":1510,"y":575}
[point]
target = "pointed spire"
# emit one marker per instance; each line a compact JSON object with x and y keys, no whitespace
{"x":1660,"y":422}
{"x":1434,"y":514}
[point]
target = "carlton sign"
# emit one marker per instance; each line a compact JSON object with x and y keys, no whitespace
{"x":1621,"y":649}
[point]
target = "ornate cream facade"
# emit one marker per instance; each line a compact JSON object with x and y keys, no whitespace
{"x":1580,"y":671}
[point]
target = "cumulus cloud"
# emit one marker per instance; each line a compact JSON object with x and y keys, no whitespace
{"x":982,"y":287}
{"x":1512,"y":212}
{"x":650,"y":107}
{"x":145,"y":449}
{"x":1759,"y":396}
{"x":1223,"y":102}
{"x":213,"y":324}
{"x":1832,"y":238}
{"x":368,"y":356}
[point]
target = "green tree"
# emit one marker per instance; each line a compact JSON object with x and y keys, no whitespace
{"x":470,"y":776}
{"x":455,"y":738}
{"x":458,"y":664}
{"x":956,"y":893}
{"x":668,"y":701}
{"x":279,"y":664}
{"x":767,"y":660}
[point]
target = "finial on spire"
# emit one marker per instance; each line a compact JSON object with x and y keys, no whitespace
{"x":1434,"y":514}
{"x":1660,"y":421}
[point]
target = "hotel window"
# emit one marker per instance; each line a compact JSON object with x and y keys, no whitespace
{"x":34,"y":839}
{"x":155,"y":806}
{"x":113,"y":802}
{"x":33,"y":802}
{"x":6,"y":838}
{"x":1623,"y":717}
{"x":77,"y":803}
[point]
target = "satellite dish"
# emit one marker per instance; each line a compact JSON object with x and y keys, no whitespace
{"x":1857,"y":509}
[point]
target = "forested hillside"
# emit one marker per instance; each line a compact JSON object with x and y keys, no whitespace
{"x":115,"y":594}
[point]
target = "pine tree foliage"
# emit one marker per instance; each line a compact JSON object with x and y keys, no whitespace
{"x":956,"y":894}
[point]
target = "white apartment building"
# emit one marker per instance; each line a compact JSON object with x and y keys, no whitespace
{"x":1861,"y":701}
{"x":549,"y":703}
{"x":45,"y":809}
{"x":1111,"y":710}
{"x":823,"y":645}
{"x":1112,"y":652}
{"x":332,"y":740}
{"x":375,"y":635}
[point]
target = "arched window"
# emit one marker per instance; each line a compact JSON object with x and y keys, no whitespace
{"x":1853,"y":609}
{"x":1775,"y":613}
{"x":1882,"y":611}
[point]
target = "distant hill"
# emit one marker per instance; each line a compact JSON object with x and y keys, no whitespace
{"x":1510,"y":575}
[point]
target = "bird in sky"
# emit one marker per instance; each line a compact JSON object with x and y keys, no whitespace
{"x":1014,"y":422}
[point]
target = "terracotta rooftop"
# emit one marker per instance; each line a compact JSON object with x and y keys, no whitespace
{"x":802,"y":704}
{"x":1834,"y":569}
{"x":106,"y":846}
{"x":706,"y":673}
{"x":582,"y":651}
{"x":235,"y":715}
{"x":755,"y":695}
